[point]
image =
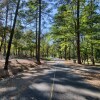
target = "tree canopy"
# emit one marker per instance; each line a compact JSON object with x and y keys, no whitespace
{"x":67,"y":29}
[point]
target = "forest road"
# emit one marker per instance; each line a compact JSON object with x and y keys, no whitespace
{"x":58,"y":82}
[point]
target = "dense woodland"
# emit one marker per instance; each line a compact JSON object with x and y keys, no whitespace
{"x":46,"y":29}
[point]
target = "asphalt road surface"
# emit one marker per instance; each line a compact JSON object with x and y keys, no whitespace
{"x":58,"y":82}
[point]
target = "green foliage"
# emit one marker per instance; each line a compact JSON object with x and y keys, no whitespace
{"x":64,"y":28}
{"x":62,"y":38}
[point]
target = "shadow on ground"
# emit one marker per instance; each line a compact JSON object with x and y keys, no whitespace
{"x":38,"y":85}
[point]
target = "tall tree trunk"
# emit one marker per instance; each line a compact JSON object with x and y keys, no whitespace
{"x":36,"y":35}
{"x":69,"y":53}
{"x":87,"y":57}
{"x":65,"y":49}
{"x":11,"y":21}
{"x":1,"y":42}
{"x":7,"y":8}
{"x":73,"y":50}
{"x":4,"y":35}
{"x":47,"y":51}
{"x":92,"y":54}
{"x":11,"y":37}
{"x":91,"y":26}
{"x":78,"y":32}
{"x":38,"y":54}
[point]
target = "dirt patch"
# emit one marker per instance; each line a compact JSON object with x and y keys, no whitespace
{"x":93,"y":82}
{"x":71,"y":63}
{"x":16,"y":66}
{"x":90,"y":74}
{"x":89,"y":77}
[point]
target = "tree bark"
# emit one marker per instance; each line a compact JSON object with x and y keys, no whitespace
{"x":65,"y":52}
{"x":92,"y":54}
{"x":38,"y":54}
{"x":1,"y":42}
{"x":78,"y":32}
{"x":11,"y":37}
{"x":36,"y":36}
{"x":47,"y":51}
{"x":69,"y":53}
{"x":7,"y":8}
{"x":73,"y":50}
{"x":91,"y":26}
{"x":4,"y":35}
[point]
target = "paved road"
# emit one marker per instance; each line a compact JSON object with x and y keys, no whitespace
{"x":55,"y":83}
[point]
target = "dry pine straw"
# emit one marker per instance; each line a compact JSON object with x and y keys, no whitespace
{"x":89,"y":77}
{"x":15,"y":66}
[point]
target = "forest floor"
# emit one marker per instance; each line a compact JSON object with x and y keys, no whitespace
{"x":16,"y":66}
{"x":91,"y":74}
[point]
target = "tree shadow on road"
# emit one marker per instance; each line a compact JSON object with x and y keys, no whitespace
{"x":38,"y":84}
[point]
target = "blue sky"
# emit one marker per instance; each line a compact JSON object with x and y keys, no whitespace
{"x":46,"y":18}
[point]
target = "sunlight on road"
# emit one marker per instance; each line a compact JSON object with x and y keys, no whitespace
{"x":40,"y":86}
{"x":80,"y":91}
{"x":7,"y":89}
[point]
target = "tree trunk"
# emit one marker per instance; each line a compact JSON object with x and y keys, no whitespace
{"x":5,"y":29}
{"x":36,"y":35}
{"x":11,"y":21}
{"x":91,"y":26}
{"x":4,"y":36}
{"x":47,"y":51}
{"x":69,"y":53}
{"x":78,"y":32}
{"x":65,"y":52}
{"x":38,"y":54}
{"x":73,"y":50}
{"x":87,"y":57}
{"x":1,"y":42}
{"x":11,"y":37}
{"x":92,"y":54}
